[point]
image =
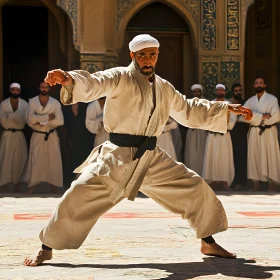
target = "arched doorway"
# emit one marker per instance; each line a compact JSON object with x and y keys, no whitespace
{"x":36,"y":36}
{"x":33,"y":42}
{"x":262,"y":42}
{"x":176,"y":60}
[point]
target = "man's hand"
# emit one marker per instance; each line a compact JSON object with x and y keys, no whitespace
{"x":240,"y":110}
{"x":51,"y":117}
{"x":58,"y":76}
{"x":266,"y":116}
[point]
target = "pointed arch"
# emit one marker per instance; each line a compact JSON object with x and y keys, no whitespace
{"x":139,"y":5}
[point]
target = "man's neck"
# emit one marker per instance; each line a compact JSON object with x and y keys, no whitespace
{"x":13,"y":100}
{"x":43,"y":97}
{"x":220,"y":99}
{"x":260,"y":94}
{"x":151,"y":79}
{"x":235,"y":101}
{"x":101,"y":102}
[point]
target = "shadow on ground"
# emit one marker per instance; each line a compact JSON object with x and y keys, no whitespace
{"x":239,"y":268}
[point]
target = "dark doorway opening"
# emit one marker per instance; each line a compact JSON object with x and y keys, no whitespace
{"x":25,"y":48}
{"x":173,"y":33}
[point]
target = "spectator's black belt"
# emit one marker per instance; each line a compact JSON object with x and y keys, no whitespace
{"x":46,"y":133}
{"x":143,"y":143}
{"x":13,"y":129}
{"x":263,"y":127}
{"x":212,"y":132}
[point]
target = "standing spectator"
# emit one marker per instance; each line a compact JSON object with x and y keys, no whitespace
{"x":263,"y":147}
{"x":239,"y":143}
{"x":94,"y":121}
{"x":13,"y":146}
{"x":177,"y":142}
{"x":218,"y":167}
{"x":44,"y":164}
{"x":165,"y":138}
{"x":195,"y":140}
{"x":79,"y":137}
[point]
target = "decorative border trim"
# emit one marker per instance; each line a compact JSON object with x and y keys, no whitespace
{"x":123,"y":6}
{"x":70,"y":7}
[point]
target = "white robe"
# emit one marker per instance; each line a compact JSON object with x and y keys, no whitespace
{"x":94,"y":123}
{"x":218,"y":165}
{"x":195,"y":149}
{"x":13,"y":147}
{"x":128,"y":111}
{"x":44,"y":164}
{"x":165,"y":139}
{"x":263,"y":150}
{"x":110,"y":173}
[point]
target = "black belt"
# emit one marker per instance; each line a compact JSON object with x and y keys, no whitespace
{"x":263,"y":127}
{"x":143,"y":143}
{"x":212,"y":132}
{"x":13,"y":129}
{"x":46,"y":133}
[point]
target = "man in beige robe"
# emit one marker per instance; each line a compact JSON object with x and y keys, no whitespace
{"x":137,"y":108}
{"x":94,"y":121}
{"x":13,"y":146}
{"x":218,"y":166}
{"x":263,"y":147}
{"x":44,"y":163}
{"x":195,"y":140}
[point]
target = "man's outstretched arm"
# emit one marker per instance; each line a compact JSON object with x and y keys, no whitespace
{"x":81,"y":86}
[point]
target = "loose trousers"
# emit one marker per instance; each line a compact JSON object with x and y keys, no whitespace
{"x":182,"y":192}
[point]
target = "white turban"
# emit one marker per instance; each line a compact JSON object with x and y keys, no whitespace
{"x":220,"y":86}
{"x":197,"y":86}
{"x":143,"y":41}
{"x":15,"y":85}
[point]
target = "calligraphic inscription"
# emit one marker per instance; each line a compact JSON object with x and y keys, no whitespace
{"x":233,"y":24}
{"x":209,"y":78}
{"x":209,"y":25}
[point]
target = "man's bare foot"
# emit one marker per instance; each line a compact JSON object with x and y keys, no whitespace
{"x":30,"y":190}
{"x":256,"y":187}
{"x":38,"y":258}
{"x":17,"y":188}
{"x":272,"y":188}
{"x":215,"y":250}
{"x":225,"y":187}
{"x":54,"y":189}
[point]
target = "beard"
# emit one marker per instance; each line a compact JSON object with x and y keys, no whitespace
{"x":220,"y":95}
{"x":140,"y":70}
{"x":260,"y":89}
{"x":198,"y":95}
{"x":15,"y":96}
{"x":44,"y":93}
{"x":238,"y":97}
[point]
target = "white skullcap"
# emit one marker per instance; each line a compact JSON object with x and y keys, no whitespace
{"x":143,"y":41}
{"x":193,"y":87}
{"x":220,"y":86}
{"x":15,"y":85}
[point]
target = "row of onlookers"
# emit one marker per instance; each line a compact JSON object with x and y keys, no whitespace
{"x":248,"y":150}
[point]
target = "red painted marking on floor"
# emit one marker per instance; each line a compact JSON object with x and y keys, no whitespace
{"x":120,"y":215}
{"x":31,"y":216}
{"x":260,"y":214}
